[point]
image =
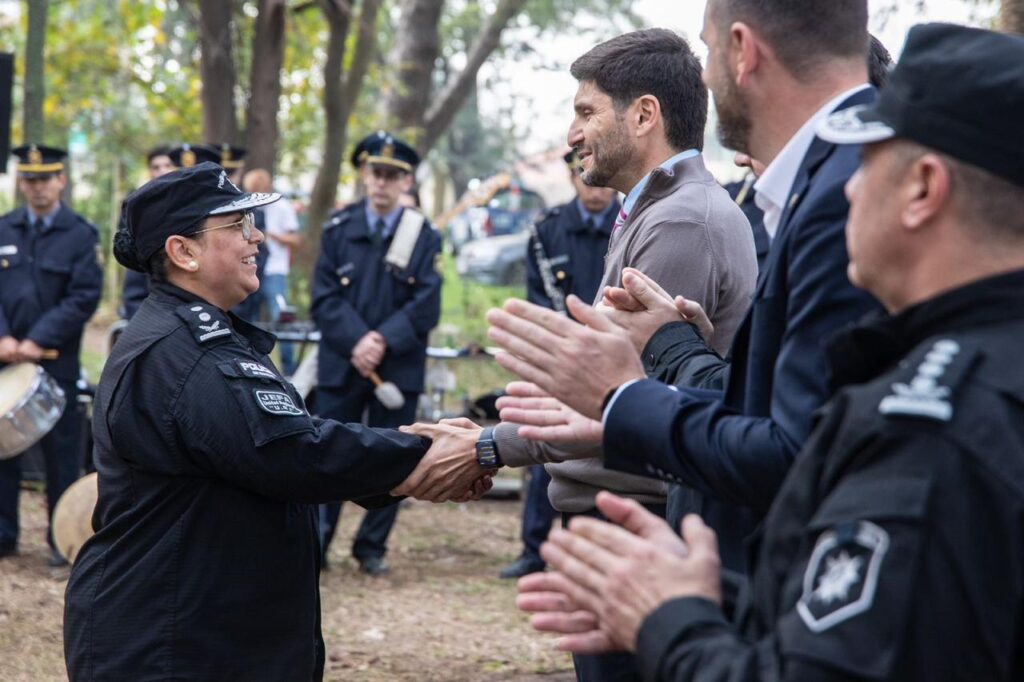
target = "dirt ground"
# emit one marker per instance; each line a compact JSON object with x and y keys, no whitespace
{"x":441,"y":615}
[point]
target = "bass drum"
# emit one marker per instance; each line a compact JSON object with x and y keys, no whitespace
{"x":72,"y":517}
{"x":31,"y":403}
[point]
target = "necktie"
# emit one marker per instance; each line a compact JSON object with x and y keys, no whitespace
{"x":620,"y":220}
{"x":377,"y":233}
{"x":590,"y":225}
{"x":38,"y":226}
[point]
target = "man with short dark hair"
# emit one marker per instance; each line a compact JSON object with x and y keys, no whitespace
{"x":894,"y":549}
{"x":50,"y":283}
{"x":731,"y":430}
{"x":640,"y":112}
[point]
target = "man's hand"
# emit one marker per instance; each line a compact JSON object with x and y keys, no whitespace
{"x":546,"y":595}
{"x":449,"y":470}
{"x":29,"y":351}
{"x":622,"y":574}
{"x":8,"y":349}
{"x":546,"y":419}
{"x":368,"y":353}
{"x":642,"y":307}
{"x":577,"y":364}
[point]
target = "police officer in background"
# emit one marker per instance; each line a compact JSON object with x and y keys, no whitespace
{"x":565,"y":256}
{"x":50,"y":283}
{"x":376,"y":296}
{"x":893,"y":550}
{"x":136,"y":284}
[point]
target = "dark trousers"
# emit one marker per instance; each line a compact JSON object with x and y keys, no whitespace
{"x":61,"y":457}
{"x":355,"y":403}
{"x":608,"y":667}
{"x":538,"y":514}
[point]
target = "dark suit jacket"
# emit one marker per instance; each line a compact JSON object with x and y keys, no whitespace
{"x":735,"y":447}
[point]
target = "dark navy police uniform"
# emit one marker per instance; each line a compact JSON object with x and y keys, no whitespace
{"x":894,"y":549}
{"x":205,"y":560}
{"x":575,"y":243}
{"x":50,"y":283}
{"x":354,"y":292}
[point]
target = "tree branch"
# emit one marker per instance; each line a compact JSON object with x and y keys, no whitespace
{"x":446,"y":106}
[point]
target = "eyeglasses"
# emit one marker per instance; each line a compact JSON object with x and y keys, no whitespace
{"x":248,"y":224}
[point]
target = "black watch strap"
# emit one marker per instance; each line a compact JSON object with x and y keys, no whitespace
{"x":487,"y":450}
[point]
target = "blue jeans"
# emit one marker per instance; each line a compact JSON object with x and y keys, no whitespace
{"x":270,"y":288}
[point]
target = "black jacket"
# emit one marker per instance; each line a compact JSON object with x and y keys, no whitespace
{"x":204,"y":564}
{"x":355,"y":292}
{"x":50,"y":284}
{"x":895,"y":548}
{"x":575,"y":252}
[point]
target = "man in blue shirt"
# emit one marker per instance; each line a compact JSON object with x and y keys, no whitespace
{"x":51,"y":283}
{"x":376,"y":296}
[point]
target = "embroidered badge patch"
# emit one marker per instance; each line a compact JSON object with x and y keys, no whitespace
{"x":277,"y":403}
{"x":255,"y":370}
{"x":924,"y":396}
{"x":842,"y":575}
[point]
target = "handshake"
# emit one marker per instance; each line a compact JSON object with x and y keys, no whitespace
{"x":449,"y":471}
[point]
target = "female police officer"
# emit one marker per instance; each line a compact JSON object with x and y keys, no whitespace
{"x":204,"y":562}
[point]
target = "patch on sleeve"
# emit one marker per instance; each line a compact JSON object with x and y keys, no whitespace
{"x":842,"y":574}
{"x":277,"y":403}
{"x":256,"y":370}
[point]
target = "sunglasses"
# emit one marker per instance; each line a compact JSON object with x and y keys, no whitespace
{"x":247,"y":223}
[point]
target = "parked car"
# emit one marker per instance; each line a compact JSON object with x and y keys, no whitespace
{"x":495,"y":260}
{"x":495,"y":207}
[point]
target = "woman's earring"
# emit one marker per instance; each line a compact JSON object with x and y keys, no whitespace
{"x":193,"y":266}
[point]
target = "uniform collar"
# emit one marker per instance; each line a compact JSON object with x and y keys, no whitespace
{"x":171,"y":296}
{"x":57,"y":218}
{"x":603,"y":221}
{"x":390,"y":220}
{"x":863,"y":352}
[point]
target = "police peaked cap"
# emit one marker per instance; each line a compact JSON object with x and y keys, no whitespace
{"x":957,"y":90}
{"x":188,"y":155}
{"x":177,"y":204}
{"x":384,"y":149}
{"x":36,"y":160}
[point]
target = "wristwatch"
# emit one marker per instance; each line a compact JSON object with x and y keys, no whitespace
{"x":487,"y":450}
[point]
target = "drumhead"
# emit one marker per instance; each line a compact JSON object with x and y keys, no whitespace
{"x":72,"y":517}
{"x":15,"y":383}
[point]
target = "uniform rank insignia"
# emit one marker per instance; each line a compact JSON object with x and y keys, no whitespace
{"x":842,"y":574}
{"x":206,"y":322}
{"x":277,"y":403}
{"x":924,"y":396}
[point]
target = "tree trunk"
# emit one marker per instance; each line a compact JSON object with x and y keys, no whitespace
{"x":217,"y":71}
{"x":411,"y":63}
{"x":265,"y":85}
{"x":33,"y":123}
{"x":1011,"y":16}
{"x":447,"y":104}
{"x":340,"y":95}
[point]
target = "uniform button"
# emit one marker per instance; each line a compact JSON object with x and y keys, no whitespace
{"x":560,"y":275}
{"x":345,"y":281}
{"x":5,"y":263}
{"x":412,"y":280}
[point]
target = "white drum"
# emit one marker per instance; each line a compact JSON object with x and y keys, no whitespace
{"x":31,"y":402}
{"x":72,"y":517}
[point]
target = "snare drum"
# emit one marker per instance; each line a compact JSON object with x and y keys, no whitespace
{"x":31,"y":402}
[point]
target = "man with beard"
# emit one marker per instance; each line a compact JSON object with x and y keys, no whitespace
{"x":776,"y":69}
{"x":641,"y":108}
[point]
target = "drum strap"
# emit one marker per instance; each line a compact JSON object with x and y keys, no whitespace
{"x":404,"y":242}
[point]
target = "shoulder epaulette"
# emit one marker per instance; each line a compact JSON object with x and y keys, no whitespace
{"x":205,"y":321}
{"x":338,"y":218}
{"x":931,"y":376}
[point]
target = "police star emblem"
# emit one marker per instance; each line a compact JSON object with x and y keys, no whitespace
{"x":188,"y":158}
{"x":842,"y":574}
{"x":35,"y":157}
